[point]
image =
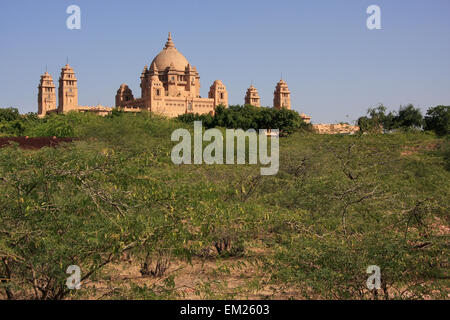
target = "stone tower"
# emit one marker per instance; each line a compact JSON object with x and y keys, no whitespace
{"x":123,"y":94}
{"x":282,"y":96}
{"x":68,"y":90}
{"x":219,"y":93}
{"x":156,"y":91}
{"x":144,"y":84}
{"x":252,"y":97}
{"x":46,"y":95}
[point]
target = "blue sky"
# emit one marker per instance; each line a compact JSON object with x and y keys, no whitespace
{"x":335,"y":67}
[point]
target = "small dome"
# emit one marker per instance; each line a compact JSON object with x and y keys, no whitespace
{"x":46,"y":75}
{"x":67,"y":67}
{"x":170,"y":57}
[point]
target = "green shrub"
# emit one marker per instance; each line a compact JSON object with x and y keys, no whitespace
{"x":438,"y":120}
{"x":250,"y":117}
{"x":337,"y":205}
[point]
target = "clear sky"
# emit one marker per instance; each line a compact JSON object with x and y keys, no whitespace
{"x":335,"y":67}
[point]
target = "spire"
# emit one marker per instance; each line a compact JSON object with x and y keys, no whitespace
{"x":144,"y":72}
{"x":169,"y":43}
{"x":153,"y":67}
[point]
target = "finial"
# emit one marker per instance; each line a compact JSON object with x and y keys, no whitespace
{"x":169,"y":43}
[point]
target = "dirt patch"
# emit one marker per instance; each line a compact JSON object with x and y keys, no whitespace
{"x":200,"y":278}
{"x":230,"y":278}
{"x":410,"y":150}
{"x":33,"y":143}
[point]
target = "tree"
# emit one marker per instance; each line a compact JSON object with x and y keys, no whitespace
{"x":9,"y":114}
{"x":365,"y":124}
{"x":54,"y":125}
{"x":250,"y":117}
{"x":11,"y":122}
{"x":438,"y":120}
{"x":408,"y":117}
{"x":377,"y":120}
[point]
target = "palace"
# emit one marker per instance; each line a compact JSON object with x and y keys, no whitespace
{"x":170,"y":87}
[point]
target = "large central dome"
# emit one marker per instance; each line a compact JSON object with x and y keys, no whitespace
{"x":170,"y":56}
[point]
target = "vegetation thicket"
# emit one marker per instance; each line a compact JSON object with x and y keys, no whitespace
{"x":337,"y":205}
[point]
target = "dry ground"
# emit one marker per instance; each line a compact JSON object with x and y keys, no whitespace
{"x":202,"y":278}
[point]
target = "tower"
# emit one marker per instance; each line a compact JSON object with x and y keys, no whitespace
{"x":46,"y":95}
{"x":219,"y":93}
{"x":144,"y":82}
{"x":68,"y":90}
{"x":282,"y":96}
{"x":192,"y":81}
{"x":252,"y":97}
{"x":124,"y":94}
{"x":156,"y":91}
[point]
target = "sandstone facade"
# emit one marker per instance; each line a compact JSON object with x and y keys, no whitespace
{"x":252,"y":97}
{"x":170,"y":87}
{"x":341,"y":128}
{"x":282,"y":96}
{"x":46,"y":94}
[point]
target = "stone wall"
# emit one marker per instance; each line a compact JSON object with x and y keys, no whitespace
{"x":341,"y":128}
